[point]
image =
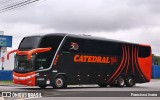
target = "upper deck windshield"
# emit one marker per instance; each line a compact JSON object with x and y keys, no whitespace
{"x":30,"y":42}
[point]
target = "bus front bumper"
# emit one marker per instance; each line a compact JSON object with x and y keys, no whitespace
{"x":24,"y":78}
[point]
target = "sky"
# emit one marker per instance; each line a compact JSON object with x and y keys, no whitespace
{"x":136,"y":21}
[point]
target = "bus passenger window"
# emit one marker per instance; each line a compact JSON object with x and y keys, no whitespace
{"x":41,"y":63}
{"x":40,"y":66}
{"x":144,"y":51}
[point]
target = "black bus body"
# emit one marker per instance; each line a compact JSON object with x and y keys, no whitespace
{"x":62,"y":59}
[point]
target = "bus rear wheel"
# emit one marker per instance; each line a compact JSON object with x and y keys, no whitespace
{"x":129,"y":82}
{"x":59,"y":82}
{"x":120,"y":82}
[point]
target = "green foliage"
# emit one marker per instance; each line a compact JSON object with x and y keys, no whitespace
{"x":6,"y":82}
{"x":156,"y":60}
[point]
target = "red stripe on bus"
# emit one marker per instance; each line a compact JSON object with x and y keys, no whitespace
{"x":118,"y":66}
{"x":128,"y":61}
{"x":136,"y":58}
{"x":123,"y":65}
{"x":133,"y":59}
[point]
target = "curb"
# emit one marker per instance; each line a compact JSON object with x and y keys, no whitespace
{"x":6,"y":84}
{"x":1,"y":98}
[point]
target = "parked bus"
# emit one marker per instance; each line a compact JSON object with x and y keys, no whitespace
{"x":62,"y":59}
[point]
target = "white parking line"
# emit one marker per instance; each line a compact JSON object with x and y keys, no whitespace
{"x":1,"y":98}
{"x":28,"y":98}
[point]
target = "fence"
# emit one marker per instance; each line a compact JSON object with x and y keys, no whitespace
{"x":5,"y":75}
{"x":155,"y":71}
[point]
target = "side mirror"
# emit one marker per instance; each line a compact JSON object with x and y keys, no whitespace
{"x":29,"y":53}
{"x":8,"y":54}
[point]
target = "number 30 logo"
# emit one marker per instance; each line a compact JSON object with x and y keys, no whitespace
{"x":74,"y":46}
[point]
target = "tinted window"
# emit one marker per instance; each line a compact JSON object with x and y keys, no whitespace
{"x":22,"y":64}
{"x":69,"y":48}
{"x":93,"y":47}
{"x":107,"y":48}
{"x":144,"y":51}
{"x":89,"y":46}
{"x":43,"y":60}
{"x":29,"y":42}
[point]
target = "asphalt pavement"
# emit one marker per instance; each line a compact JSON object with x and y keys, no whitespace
{"x":84,"y":92}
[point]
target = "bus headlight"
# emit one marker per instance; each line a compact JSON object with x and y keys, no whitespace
{"x":28,"y":77}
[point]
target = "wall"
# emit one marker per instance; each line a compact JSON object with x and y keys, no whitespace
{"x":155,"y":71}
{"x":155,"y":67}
{"x":5,"y":75}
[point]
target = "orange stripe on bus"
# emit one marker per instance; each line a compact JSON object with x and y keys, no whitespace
{"x":128,"y":60}
{"x":126,"y":55}
{"x":133,"y":59}
{"x":136,"y":58}
{"x":118,"y":66}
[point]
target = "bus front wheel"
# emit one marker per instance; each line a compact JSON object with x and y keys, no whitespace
{"x":59,"y":82}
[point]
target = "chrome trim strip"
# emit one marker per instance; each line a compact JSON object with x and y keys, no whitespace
{"x":24,"y":78}
{"x":54,"y":55}
{"x":55,"y":71}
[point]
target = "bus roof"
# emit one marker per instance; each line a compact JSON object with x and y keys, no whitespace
{"x":83,"y":36}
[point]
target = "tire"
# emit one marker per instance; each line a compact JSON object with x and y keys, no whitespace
{"x":129,"y":82}
{"x":120,"y":82}
{"x":102,"y":85}
{"x":59,"y":82}
{"x":42,"y":87}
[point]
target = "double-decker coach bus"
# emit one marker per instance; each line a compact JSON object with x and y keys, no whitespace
{"x":63,"y":59}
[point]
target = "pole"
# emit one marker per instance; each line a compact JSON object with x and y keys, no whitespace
{"x":2,"y":61}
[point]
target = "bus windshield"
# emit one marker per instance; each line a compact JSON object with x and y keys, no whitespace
{"x":22,"y":64}
{"x":29,"y":43}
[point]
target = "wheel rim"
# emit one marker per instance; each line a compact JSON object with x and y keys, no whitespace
{"x":59,"y":82}
{"x":130,"y":81}
{"x":121,"y":81}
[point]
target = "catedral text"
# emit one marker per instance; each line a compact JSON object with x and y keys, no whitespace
{"x":95,"y":59}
